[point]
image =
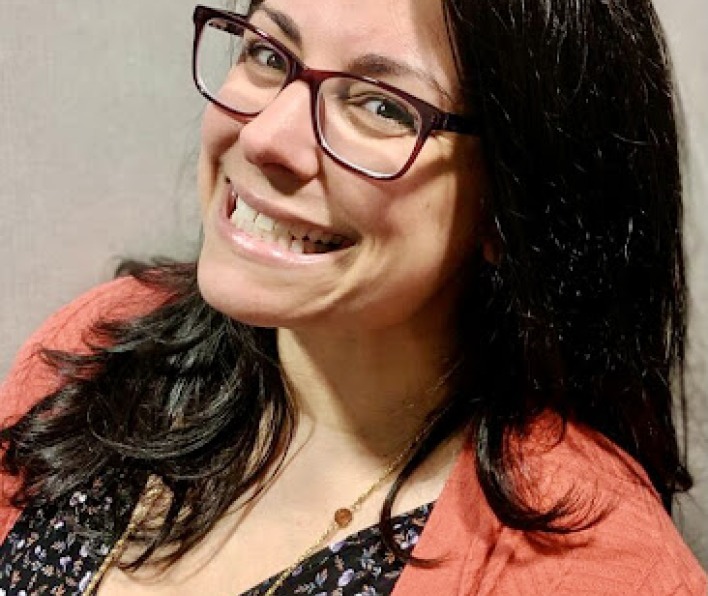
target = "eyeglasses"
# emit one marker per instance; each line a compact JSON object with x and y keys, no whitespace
{"x":363,"y":124}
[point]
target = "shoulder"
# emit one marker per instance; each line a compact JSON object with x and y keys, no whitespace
{"x":631,"y":548}
{"x":69,"y":329}
{"x":630,"y":544}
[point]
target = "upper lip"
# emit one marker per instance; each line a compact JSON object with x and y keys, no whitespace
{"x":279,"y":214}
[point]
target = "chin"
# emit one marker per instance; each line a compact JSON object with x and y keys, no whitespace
{"x":227,"y":292}
{"x":257,"y":302}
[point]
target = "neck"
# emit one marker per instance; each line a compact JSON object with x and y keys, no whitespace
{"x":374,"y":390}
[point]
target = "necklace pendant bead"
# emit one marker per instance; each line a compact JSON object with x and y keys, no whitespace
{"x":343,"y":517}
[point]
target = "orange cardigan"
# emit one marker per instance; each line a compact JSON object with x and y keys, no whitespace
{"x":632,"y":549}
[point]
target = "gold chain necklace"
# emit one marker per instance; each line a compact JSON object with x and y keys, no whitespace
{"x":343,"y":516}
{"x":341,"y":519}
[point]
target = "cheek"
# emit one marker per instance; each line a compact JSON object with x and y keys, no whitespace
{"x":218,"y":134}
{"x":206,"y":180}
{"x":464,"y":216}
{"x":219,"y":131}
{"x":444,"y":212}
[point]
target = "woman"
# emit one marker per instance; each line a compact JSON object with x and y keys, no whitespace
{"x":441,"y":289}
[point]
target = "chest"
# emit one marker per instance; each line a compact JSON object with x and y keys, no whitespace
{"x":45,"y":556}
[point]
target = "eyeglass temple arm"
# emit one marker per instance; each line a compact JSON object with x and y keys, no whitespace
{"x":460,"y":124}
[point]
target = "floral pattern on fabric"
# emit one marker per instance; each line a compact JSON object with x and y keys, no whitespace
{"x":359,"y":565}
{"x":53,"y":549}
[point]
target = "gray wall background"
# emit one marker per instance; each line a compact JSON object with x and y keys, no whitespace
{"x":98,"y":138}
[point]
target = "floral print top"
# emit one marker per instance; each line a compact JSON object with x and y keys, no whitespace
{"x":56,"y":548}
{"x":53,"y":550}
{"x":360,"y":565}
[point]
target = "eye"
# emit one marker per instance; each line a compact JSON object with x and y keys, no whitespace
{"x":264,"y":55}
{"x":388,"y":109}
{"x":370,"y":107}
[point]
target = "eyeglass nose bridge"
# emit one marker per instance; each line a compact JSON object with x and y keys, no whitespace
{"x":313,"y":79}
{"x":302,"y":74}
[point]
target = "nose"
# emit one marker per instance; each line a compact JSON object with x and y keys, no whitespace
{"x":281,"y":136}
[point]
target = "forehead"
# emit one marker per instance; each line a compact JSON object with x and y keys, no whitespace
{"x":336,"y":31}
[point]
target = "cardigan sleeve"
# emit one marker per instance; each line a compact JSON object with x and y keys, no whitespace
{"x":70,"y":329}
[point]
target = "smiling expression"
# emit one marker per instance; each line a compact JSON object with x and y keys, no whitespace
{"x":291,"y":238}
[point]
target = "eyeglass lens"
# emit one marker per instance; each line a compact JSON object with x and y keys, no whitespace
{"x":360,"y":123}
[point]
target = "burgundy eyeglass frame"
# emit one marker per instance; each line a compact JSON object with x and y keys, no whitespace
{"x":431,"y":118}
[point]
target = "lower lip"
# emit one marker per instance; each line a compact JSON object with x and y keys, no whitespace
{"x":258,"y":250}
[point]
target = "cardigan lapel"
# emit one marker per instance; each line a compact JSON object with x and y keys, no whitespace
{"x":459,"y":535}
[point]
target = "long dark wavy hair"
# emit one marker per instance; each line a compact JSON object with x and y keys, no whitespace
{"x":584,"y":313}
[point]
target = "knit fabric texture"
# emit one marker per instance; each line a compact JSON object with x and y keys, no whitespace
{"x":632,"y":548}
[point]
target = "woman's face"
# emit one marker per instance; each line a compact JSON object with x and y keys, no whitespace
{"x":404,"y":240}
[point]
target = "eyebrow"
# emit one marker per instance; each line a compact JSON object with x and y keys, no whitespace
{"x":373,"y":65}
{"x":377,"y":65}
{"x":284,"y":22}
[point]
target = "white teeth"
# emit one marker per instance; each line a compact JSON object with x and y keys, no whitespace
{"x":297,"y":246}
{"x":246,"y":212}
{"x":246,"y":225}
{"x":265,"y":223}
{"x":291,"y":238}
{"x":281,"y":230}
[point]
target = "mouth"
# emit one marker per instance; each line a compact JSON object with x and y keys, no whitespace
{"x":290,"y":237}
